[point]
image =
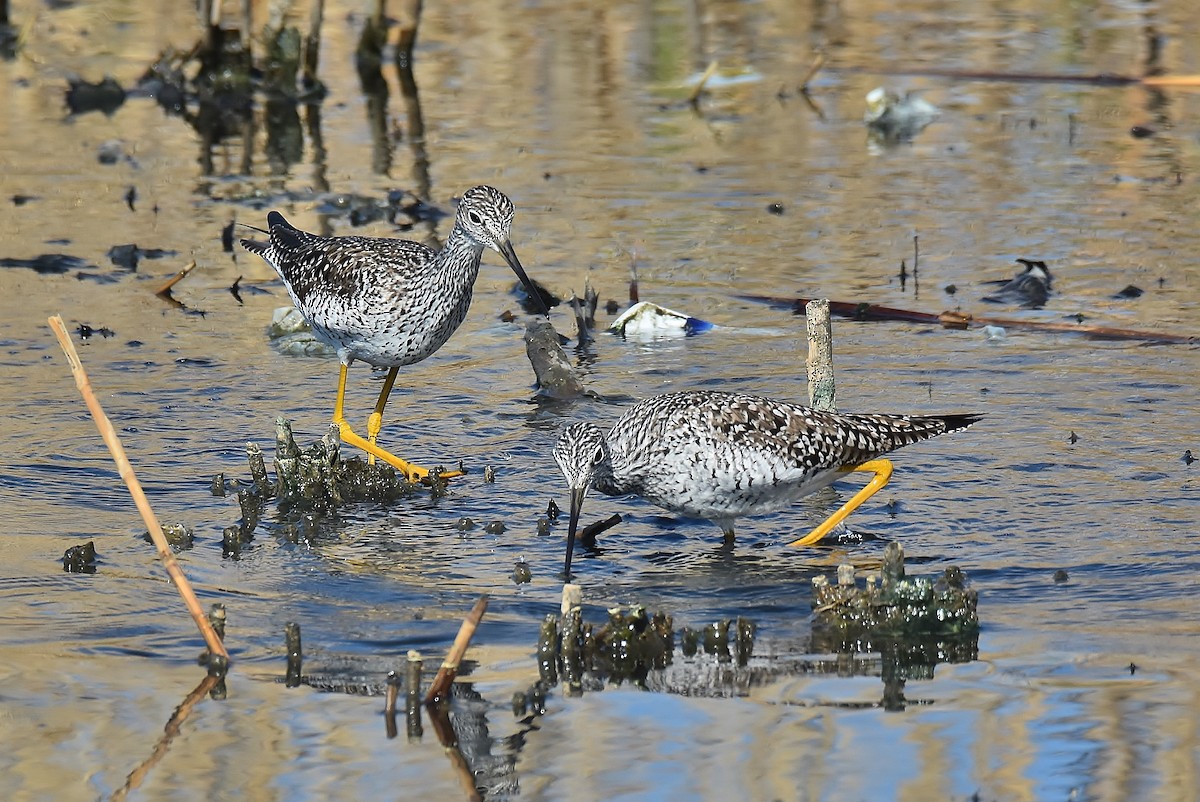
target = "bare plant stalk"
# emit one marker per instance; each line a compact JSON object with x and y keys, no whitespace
{"x":165,"y":289}
{"x":816,"y":66}
{"x":694,"y":97}
{"x":109,"y":434}
{"x":446,"y":674}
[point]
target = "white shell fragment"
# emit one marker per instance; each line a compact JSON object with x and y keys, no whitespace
{"x":646,"y":319}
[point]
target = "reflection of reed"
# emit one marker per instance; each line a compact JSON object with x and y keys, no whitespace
{"x":174,"y":724}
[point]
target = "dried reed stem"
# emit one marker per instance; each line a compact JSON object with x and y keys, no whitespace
{"x":165,"y":289}
{"x":446,"y":674}
{"x":109,"y":434}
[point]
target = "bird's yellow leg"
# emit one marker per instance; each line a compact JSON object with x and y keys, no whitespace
{"x":413,"y":473}
{"x":375,"y":422}
{"x":882,"y":470}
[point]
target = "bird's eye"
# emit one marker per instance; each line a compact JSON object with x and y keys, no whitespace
{"x":598,"y":457}
{"x":473,"y":218}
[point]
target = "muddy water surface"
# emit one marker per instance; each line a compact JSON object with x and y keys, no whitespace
{"x":576,"y":113}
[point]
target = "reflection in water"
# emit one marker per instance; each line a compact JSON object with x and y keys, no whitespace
{"x":574,"y":110}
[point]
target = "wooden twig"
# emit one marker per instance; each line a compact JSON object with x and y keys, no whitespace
{"x":962,"y":320}
{"x":165,"y":289}
{"x":445,"y":675}
{"x":694,"y":97}
{"x":1098,"y":79}
{"x":587,"y":535}
{"x":215,"y":647}
{"x":817,"y":64}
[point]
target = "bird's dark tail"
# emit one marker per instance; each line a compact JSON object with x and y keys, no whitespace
{"x":275,"y":220}
{"x":955,"y":422}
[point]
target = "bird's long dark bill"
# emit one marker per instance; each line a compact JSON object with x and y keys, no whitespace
{"x":576,"y":508}
{"x":510,"y":256}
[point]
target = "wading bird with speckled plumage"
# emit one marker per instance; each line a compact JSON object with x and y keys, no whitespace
{"x":389,"y":302}
{"x":722,"y":456}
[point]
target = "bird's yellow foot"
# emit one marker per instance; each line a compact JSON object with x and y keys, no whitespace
{"x":410,"y":471}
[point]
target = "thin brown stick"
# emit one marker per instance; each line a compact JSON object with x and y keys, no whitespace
{"x":446,"y":674}
{"x":817,"y":64}
{"x":175,"y":279}
{"x":708,"y":73}
{"x":1098,"y":79}
{"x":962,"y":320}
{"x":109,"y":434}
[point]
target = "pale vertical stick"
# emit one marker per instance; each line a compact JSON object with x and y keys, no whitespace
{"x":820,"y":356}
{"x":135,"y":489}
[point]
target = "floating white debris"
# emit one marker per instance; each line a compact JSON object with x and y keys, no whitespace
{"x":646,"y":319}
{"x":991,"y":333}
{"x":898,"y":117}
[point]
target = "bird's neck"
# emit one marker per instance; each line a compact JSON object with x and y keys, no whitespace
{"x":457,"y":264}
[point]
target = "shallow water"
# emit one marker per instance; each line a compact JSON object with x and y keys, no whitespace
{"x":575,"y":112}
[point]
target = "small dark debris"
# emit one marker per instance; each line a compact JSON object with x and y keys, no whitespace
{"x":86,"y":332}
{"x":80,"y":559}
{"x":552,"y":509}
{"x":612,"y":307}
{"x":106,"y":96}
{"x":110,"y":151}
{"x":1061,"y":575}
{"x":227,"y":237}
{"x":775,"y":208}
{"x":547,"y":176}
{"x":521,"y":572}
{"x":21,"y":200}
{"x":950,"y":289}
{"x":364,"y":215}
{"x":178,"y":535}
{"x":405,"y":209}
{"x":131,"y":198}
{"x":507,"y":316}
{"x":217,"y":488}
{"x":1188,"y":459}
{"x":543,"y":527}
{"x":1078,"y":317}
{"x":128,"y":256}
{"x":701,"y":169}
{"x":1130,"y":292}
{"x":1141,"y":131}
{"x":494,"y":527}
{"x":529,"y":304}
{"x":1073,"y":439}
{"x":125,"y":256}
{"x":47,"y":264}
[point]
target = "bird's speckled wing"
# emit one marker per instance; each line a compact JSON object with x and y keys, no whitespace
{"x":723,"y":454}
{"x":341,"y":267}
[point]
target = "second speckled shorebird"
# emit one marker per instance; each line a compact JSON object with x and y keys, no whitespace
{"x":389,"y":302}
{"x":722,"y":456}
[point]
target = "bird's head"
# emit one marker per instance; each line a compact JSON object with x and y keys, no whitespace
{"x":582,"y":455}
{"x":485,"y":215}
